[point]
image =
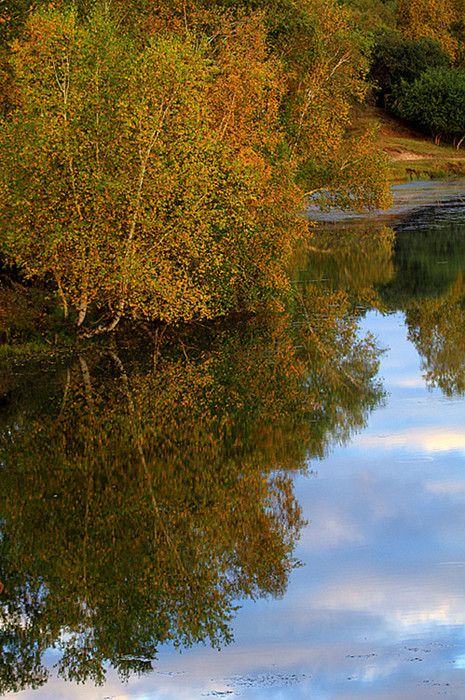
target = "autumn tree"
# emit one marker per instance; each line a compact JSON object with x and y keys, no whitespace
{"x":325,"y":61}
{"x":371,"y":15}
{"x":131,"y":197}
{"x":441,"y":20}
{"x":158,"y":173}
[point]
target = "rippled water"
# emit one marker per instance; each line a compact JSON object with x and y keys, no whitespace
{"x":407,"y":197}
{"x":376,"y":609}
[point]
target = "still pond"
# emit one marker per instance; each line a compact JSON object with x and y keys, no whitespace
{"x":273,"y":509}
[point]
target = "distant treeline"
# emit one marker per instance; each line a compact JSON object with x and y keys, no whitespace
{"x":417,"y":62}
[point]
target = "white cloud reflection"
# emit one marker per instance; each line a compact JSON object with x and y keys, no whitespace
{"x":407,"y":603}
{"x":427,"y":438}
{"x":446,"y":487}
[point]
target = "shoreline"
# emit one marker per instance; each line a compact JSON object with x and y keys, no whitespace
{"x":30,"y":321}
{"x":408,"y":196}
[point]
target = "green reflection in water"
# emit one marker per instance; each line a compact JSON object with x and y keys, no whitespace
{"x":144,"y":493}
{"x":429,"y":257}
{"x":418,"y":269}
{"x":355,"y":259}
{"x":429,"y":287}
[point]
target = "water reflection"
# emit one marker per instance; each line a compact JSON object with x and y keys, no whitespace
{"x":356,"y":260}
{"x":429,"y":256}
{"x":147,"y":490}
{"x":429,"y":287}
{"x":144,"y":495}
{"x":417,"y":267}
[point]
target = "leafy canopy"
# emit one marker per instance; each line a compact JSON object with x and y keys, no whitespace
{"x":159,"y":172}
{"x":436,"y":102}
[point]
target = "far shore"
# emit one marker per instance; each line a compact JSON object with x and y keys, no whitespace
{"x":412,"y":155}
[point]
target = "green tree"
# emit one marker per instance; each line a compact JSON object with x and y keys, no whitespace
{"x":159,"y":173}
{"x":395,"y":59}
{"x":119,"y":182}
{"x":371,"y":15}
{"x":435,"y":102}
{"x":441,"y":20}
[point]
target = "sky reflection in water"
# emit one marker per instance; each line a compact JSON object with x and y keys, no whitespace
{"x":378,"y":609}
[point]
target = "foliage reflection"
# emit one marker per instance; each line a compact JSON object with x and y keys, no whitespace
{"x":428,"y":286}
{"x":144,"y":494}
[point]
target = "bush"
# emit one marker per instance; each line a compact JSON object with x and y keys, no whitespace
{"x":396,"y":59}
{"x":436,"y":102}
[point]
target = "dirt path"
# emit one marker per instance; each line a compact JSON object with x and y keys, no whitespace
{"x":397,"y":155}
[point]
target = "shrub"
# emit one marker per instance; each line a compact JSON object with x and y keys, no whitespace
{"x":396,"y":59}
{"x":435,"y":102}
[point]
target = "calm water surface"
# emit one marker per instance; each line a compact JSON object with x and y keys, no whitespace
{"x":291,"y":493}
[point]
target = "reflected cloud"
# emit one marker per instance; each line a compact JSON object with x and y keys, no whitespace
{"x":448,"y":487}
{"x":428,"y":438}
{"x":335,"y":529}
{"x":409,"y":602}
{"x":409,"y":382}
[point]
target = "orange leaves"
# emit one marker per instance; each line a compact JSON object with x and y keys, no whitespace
{"x":434,"y":19}
{"x":153,"y":193}
{"x":163,"y":173}
{"x":246,"y":86}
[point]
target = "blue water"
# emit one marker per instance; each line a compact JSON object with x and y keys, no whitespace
{"x":407,"y":197}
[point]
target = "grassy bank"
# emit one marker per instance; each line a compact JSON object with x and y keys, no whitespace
{"x":411,"y":154}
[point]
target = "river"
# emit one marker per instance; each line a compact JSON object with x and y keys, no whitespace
{"x":271,"y":510}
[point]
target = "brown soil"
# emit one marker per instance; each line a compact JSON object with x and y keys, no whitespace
{"x":398,"y":155}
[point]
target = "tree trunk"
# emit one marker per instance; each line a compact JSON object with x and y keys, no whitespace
{"x":128,"y":259}
{"x":82,"y":309}
{"x":61,"y":294}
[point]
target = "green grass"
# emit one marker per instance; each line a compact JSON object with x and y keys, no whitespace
{"x":412,"y":155}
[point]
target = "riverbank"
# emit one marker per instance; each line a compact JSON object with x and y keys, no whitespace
{"x":411,"y":155}
{"x":22,"y":312}
{"x":31,"y":319}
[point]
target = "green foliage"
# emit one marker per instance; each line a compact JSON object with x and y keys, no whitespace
{"x":355,"y":260}
{"x":429,"y":259}
{"x":441,"y":20}
{"x":436,"y":329}
{"x":435,"y":102}
{"x":395,"y":59}
{"x":120,"y":185}
{"x":371,"y":15}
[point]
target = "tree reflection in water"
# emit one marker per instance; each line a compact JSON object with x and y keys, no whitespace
{"x":144,"y":494}
{"x":429,"y":287}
